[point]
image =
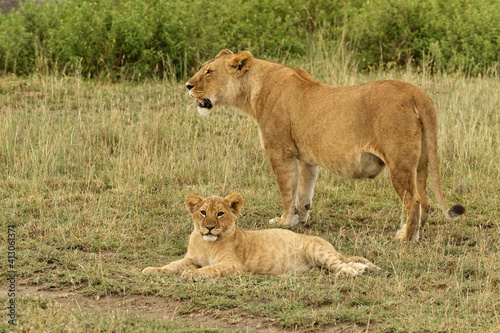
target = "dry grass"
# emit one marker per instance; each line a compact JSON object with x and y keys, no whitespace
{"x":94,"y":175}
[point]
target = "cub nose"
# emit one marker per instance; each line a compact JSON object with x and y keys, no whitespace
{"x":210,"y":228}
{"x":189,"y":86}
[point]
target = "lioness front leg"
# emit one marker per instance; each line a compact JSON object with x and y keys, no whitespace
{"x":307,"y":180}
{"x":287,"y":176}
{"x":176,"y":267}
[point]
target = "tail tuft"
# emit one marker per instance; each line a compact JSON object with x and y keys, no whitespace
{"x":456,"y":211}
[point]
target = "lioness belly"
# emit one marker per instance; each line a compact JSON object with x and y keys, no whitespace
{"x":367,"y":165}
{"x":354,"y":164}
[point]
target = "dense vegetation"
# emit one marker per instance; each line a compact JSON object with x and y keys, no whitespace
{"x":137,"y":38}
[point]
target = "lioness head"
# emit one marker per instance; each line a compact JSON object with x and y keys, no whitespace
{"x":214,"y":216}
{"x":217,"y":82}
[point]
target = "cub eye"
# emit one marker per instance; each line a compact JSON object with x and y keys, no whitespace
{"x":219,"y":214}
{"x":208,"y":72}
{"x":203,"y":213}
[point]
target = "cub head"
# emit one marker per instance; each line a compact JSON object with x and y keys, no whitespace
{"x":218,"y":80}
{"x":214,"y":217}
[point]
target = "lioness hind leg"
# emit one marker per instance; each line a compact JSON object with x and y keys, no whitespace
{"x":411,"y":229}
{"x":422,"y":191}
{"x":404,"y":183}
{"x":308,"y":174}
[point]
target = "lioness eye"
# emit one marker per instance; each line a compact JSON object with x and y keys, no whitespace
{"x":219,"y":214}
{"x":204,"y":213}
{"x":208,"y":72}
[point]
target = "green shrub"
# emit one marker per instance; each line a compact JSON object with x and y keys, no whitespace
{"x":456,"y":34}
{"x":137,"y":38}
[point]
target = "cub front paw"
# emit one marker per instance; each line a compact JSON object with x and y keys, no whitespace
{"x":149,"y":270}
{"x":192,"y":274}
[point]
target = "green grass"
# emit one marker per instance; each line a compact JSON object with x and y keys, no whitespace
{"x":41,"y":315}
{"x":94,"y":175}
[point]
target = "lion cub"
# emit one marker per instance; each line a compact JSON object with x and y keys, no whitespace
{"x":217,"y":247}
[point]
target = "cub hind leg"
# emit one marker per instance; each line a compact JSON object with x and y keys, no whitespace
{"x":320,"y":253}
{"x":372,"y":268}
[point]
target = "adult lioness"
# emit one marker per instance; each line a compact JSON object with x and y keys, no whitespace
{"x":351,"y":131}
{"x":217,"y":247}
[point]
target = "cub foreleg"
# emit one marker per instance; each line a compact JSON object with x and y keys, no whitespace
{"x":176,"y":267}
{"x":213,"y":271}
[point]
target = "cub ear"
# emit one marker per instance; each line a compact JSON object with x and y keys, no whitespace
{"x":239,"y":63}
{"x":223,"y":52}
{"x":192,"y":201}
{"x":234,"y":201}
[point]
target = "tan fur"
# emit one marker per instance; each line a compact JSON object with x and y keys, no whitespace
{"x":352,"y":131}
{"x":217,"y":247}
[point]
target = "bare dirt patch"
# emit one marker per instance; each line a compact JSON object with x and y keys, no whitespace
{"x":161,"y":308}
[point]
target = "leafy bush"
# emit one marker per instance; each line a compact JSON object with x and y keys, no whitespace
{"x":456,"y":34}
{"x":136,"y":38}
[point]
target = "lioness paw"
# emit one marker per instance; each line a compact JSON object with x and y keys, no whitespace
{"x":281,"y":221}
{"x":294,"y":220}
{"x":276,"y":220}
{"x":401,"y":233}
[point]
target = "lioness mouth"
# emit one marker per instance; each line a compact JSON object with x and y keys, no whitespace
{"x":205,"y":103}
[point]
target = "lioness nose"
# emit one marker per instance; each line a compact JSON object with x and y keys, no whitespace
{"x":189,"y":86}
{"x":210,"y":228}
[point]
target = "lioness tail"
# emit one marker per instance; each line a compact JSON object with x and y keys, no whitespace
{"x":427,"y":113}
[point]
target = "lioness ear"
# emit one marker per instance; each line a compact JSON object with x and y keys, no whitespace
{"x":239,"y":63}
{"x":192,"y":201}
{"x":223,"y":52}
{"x":234,"y":201}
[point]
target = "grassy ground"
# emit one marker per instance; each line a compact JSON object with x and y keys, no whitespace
{"x":45,"y":315}
{"x":93,"y":175}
